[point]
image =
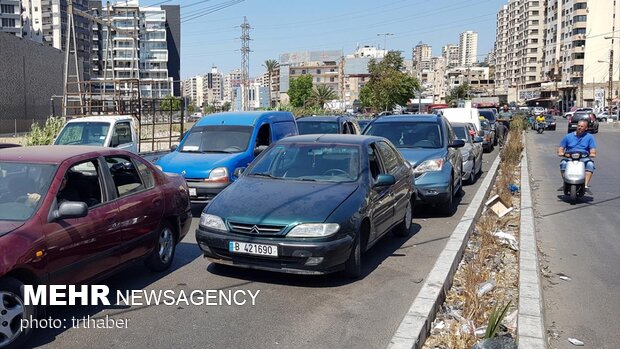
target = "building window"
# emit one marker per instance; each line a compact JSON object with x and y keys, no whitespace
{"x":578,"y":31}
{"x":580,"y":6}
{"x":580,"y":18}
{"x":9,"y":9}
{"x":332,"y":79}
{"x":318,"y":79}
{"x":8,"y":22}
{"x":318,"y":71}
{"x":303,"y":71}
{"x":292,"y":71}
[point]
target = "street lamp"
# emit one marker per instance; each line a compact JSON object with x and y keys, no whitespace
{"x":612,"y":37}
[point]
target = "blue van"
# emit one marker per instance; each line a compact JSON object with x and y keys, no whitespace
{"x":219,"y":143}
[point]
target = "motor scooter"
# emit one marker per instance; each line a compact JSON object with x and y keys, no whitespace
{"x":540,"y":127}
{"x":575,"y":176}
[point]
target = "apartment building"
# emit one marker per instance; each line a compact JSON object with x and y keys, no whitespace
{"x":145,"y":47}
{"x":450,"y":54}
{"x":468,"y":48}
{"x":231,"y":86}
{"x":422,"y":57}
{"x":213,"y":88}
{"x":192,"y":90}
{"x":11,"y":17}
{"x":323,"y":66}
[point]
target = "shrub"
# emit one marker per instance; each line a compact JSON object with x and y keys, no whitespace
{"x":44,"y":135}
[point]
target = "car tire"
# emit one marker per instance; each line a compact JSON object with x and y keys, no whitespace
{"x":163,"y":252}
{"x":448,"y":208}
{"x":353,"y":265}
{"x":472,"y":174}
{"x":404,"y":227}
{"x":12,"y":295}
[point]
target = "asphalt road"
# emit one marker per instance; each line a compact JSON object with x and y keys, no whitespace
{"x":581,"y":241}
{"x":290,"y":310}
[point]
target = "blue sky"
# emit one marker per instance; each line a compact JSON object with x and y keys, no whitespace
{"x":280,"y":26}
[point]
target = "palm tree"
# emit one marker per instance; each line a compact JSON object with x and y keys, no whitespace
{"x":322,"y":94}
{"x":271,"y":65}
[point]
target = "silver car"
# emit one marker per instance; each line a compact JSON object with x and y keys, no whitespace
{"x":471,"y":152}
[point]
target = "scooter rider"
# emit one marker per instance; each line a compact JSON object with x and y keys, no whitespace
{"x":540,"y":119}
{"x":579,"y":141}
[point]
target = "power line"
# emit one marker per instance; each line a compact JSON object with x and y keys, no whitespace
{"x":211,"y":9}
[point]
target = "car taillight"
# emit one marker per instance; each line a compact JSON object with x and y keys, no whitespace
{"x":592,"y":117}
{"x":570,"y":119}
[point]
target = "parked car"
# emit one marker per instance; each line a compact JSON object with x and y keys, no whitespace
{"x":471,"y":152}
{"x":319,"y":124}
{"x":550,"y":122}
{"x":363,"y":123}
{"x":311,"y":205}
{"x":430,"y":145}
{"x":583,"y":115}
{"x":604,"y":116}
{"x":218,"y":143}
{"x":488,"y":136}
{"x":114,"y":131}
{"x":464,"y":115}
{"x":86,"y":212}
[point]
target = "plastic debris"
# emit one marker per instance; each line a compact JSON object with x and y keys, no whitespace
{"x":513,"y":188}
{"x":565,"y":278}
{"x":496,"y":343}
{"x":499,"y":207}
{"x":480,"y":331}
{"x":576,"y":342}
{"x":507,"y":239}
{"x":485,"y":288}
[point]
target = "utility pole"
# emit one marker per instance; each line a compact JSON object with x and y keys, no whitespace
{"x":385,"y":35}
{"x":245,"y":64}
{"x":611,"y":86}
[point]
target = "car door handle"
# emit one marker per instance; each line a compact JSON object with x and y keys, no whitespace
{"x":157,"y":202}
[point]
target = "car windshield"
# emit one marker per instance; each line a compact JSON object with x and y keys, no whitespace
{"x":317,"y":127}
{"x":22,"y":189}
{"x":489,"y":115}
{"x":461,"y":132}
{"x":485,"y":125}
{"x":217,"y":139}
{"x":309,"y":162}
{"x":83,"y":133}
{"x":408,"y":134}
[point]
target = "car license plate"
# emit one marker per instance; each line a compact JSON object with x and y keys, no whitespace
{"x":254,"y":249}
{"x":192,"y":191}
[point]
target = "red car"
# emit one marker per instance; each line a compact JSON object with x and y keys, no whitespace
{"x":74,"y":214}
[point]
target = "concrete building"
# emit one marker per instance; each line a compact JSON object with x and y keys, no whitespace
{"x":450,"y":54}
{"x":576,"y":53}
{"x":11,"y":17}
{"x":368,"y":51}
{"x":468,"y":48}
{"x":147,"y":48}
{"x":213,"y":88}
{"x":422,"y":57}
{"x":232,"y":87}
{"x":192,"y":90}
{"x":323,"y":66}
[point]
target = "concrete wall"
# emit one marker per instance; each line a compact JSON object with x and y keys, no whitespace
{"x":31,"y":73}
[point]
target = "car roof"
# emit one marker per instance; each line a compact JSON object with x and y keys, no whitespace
{"x":54,"y":154}
{"x":408,"y":117}
{"x":331,"y":138}
{"x":250,"y":118}
{"x":322,"y":118}
{"x":103,"y":118}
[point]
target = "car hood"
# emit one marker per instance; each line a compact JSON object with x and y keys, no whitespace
{"x":253,"y":200}
{"x":196,"y":165}
{"x":415,"y":156}
{"x":8,"y":226}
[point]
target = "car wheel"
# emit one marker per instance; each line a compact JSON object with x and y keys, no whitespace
{"x":353,"y":265}
{"x":163,"y":253}
{"x":448,"y":207}
{"x":404,"y":228}
{"x":472,"y":174}
{"x":12,"y":311}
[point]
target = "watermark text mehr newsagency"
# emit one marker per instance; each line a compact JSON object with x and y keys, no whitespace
{"x":100,"y":295}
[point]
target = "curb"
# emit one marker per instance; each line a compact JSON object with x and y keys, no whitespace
{"x":530,"y":329}
{"x":415,"y":326}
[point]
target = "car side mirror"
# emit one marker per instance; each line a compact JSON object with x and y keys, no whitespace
{"x":238,"y":171}
{"x":478,"y":139}
{"x":384,"y":180}
{"x":457,"y":143}
{"x":259,"y":149}
{"x":174,"y":147}
{"x":71,"y":209}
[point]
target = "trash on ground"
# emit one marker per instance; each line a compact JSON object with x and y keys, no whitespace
{"x":576,"y":342}
{"x":513,"y":188}
{"x":499,"y":207}
{"x":485,"y":288}
{"x":565,"y":278}
{"x":507,"y":239}
{"x":481,"y":331}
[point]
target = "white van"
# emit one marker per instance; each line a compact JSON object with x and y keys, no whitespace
{"x":463,"y":115}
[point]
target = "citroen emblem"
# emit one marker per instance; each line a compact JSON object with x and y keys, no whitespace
{"x":254,"y":230}
{"x":183,"y":173}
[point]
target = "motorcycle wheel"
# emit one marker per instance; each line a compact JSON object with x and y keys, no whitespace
{"x":573,"y":193}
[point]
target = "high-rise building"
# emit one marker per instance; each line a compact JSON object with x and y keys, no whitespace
{"x":213,"y":88}
{"x":450,"y":54}
{"x":192,"y":90}
{"x":11,"y":17}
{"x":231,"y":86}
{"x":468,"y":48}
{"x":422,"y":57}
{"x":145,"y":47}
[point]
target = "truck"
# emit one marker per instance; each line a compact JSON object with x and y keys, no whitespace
{"x":115,"y":131}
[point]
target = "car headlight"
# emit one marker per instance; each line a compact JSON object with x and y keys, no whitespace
{"x":433,"y":165}
{"x":218,"y":174}
{"x":313,"y":230}
{"x":465,"y":156}
{"x":212,"y":221}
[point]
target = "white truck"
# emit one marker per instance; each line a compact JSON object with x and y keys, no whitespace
{"x":116,"y":131}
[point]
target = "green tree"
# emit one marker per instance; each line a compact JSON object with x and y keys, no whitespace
{"x":226,"y":106}
{"x":170,"y":103}
{"x":322,"y":94}
{"x":208,"y":109}
{"x":458,"y":93}
{"x":300,"y":90}
{"x":191,"y":108}
{"x":271,"y":65}
{"x":389,"y":84}
{"x":44,"y":135}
